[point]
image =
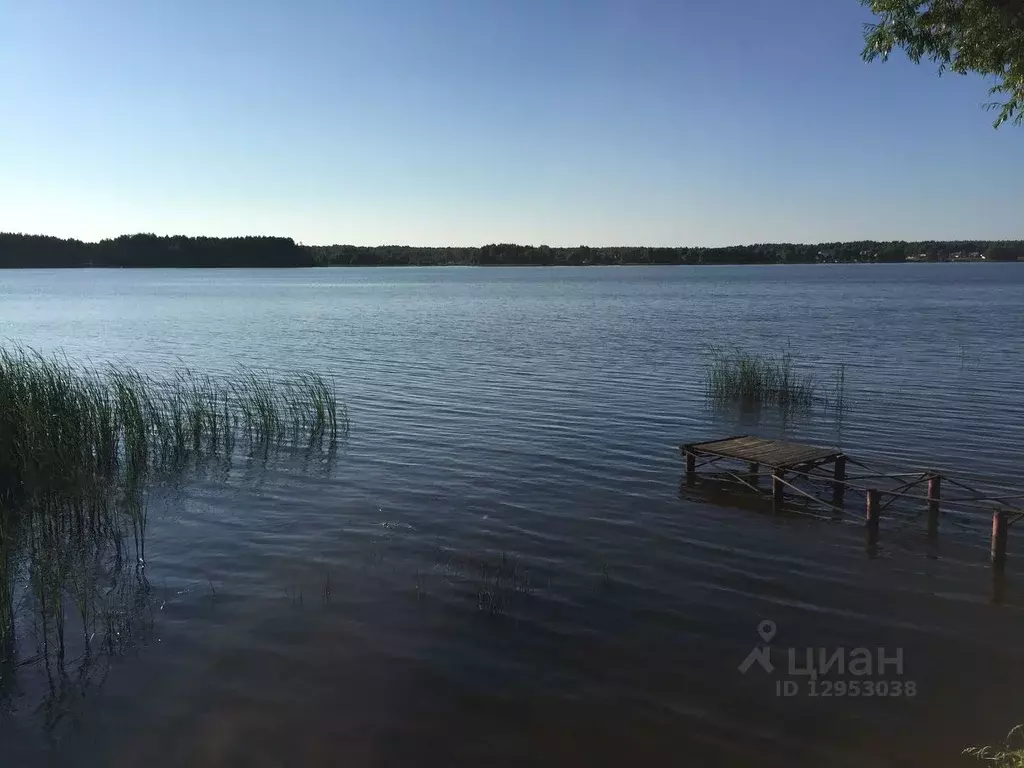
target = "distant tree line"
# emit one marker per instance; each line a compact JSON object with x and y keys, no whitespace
{"x":786,"y":253}
{"x":146,"y":250}
{"x":152,"y":251}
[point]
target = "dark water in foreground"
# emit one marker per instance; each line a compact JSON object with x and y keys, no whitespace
{"x":498,"y":565}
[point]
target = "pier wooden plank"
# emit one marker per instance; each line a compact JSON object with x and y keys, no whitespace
{"x":771,"y":453}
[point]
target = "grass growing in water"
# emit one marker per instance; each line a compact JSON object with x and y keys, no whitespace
{"x":79,"y":430}
{"x":750,"y":377}
{"x":1011,"y":755}
{"x":78,"y":446}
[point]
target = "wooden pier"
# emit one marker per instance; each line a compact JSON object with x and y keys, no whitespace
{"x":817,"y":476}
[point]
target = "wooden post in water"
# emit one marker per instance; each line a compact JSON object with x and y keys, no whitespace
{"x":778,"y":488}
{"x":839,"y":481}
{"x":754,"y":470}
{"x":691,"y":465}
{"x":873,"y":511}
{"x":1000,"y":529}
{"x":934,"y":492}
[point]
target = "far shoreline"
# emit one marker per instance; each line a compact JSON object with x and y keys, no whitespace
{"x":180,"y":251}
{"x":327,"y":267}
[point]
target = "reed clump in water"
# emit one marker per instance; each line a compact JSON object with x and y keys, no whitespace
{"x":79,"y":446}
{"x":78,"y":431}
{"x":734,"y":375}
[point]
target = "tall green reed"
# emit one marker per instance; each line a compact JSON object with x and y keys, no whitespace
{"x":734,"y":375}
{"x":75,"y":430}
{"x":80,"y":445}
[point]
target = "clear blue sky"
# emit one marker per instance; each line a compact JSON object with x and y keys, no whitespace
{"x":435,"y":122}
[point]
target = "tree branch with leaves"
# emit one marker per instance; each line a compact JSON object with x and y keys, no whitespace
{"x":982,"y":36}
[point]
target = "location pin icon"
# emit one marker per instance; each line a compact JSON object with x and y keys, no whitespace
{"x":766,"y":629}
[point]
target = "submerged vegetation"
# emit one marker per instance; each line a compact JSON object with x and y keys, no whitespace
{"x":754,"y":378}
{"x":80,"y":448}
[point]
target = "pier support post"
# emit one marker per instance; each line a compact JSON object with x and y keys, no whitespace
{"x":873,"y":511}
{"x":934,"y":492}
{"x":778,"y":488}
{"x":1000,"y":529}
{"x":754,"y":472}
{"x":839,"y":481}
{"x":691,"y":465}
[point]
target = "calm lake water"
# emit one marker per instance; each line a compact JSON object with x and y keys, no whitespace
{"x":498,"y":564}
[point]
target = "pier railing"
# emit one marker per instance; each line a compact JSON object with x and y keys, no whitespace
{"x":819,"y":476}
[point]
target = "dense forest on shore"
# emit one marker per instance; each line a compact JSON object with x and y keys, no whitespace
{"x":152,"y":251}
{"x":784,"y":253}
{"x":146,"y":250}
